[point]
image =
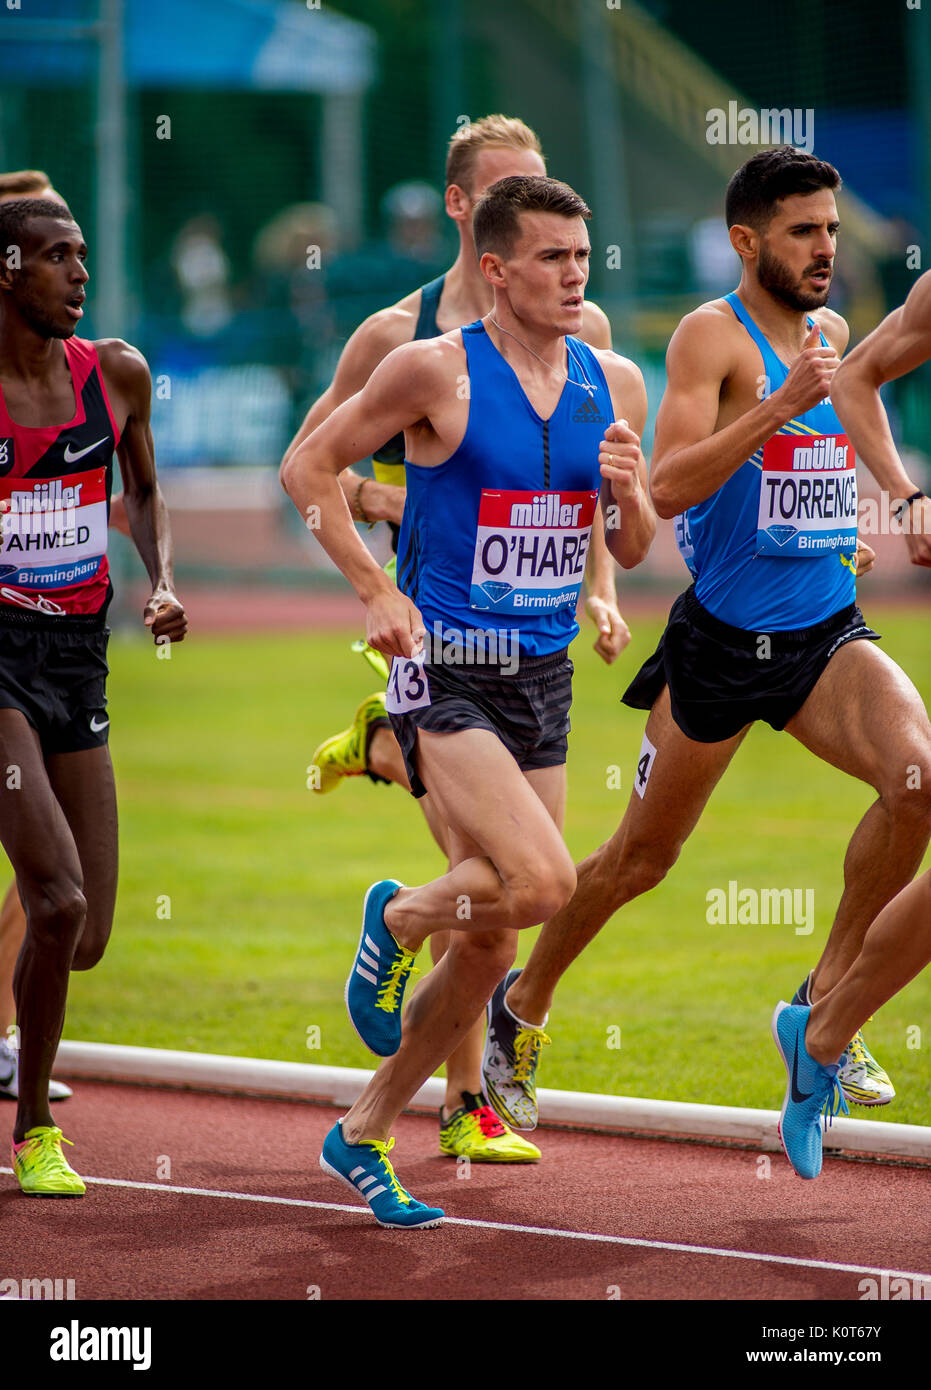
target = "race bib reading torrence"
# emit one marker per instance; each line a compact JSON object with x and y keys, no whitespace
{"x":808,"y":496}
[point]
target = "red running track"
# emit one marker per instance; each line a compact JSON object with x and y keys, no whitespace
{"x":605,"y":1212}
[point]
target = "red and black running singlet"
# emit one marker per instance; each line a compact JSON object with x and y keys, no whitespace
{"x":55,"y":489}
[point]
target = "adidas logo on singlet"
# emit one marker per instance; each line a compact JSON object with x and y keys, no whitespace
{"x":6,"y":455}
{"x":588,"y":414}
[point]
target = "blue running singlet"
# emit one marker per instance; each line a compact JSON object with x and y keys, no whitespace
{"x":774,"y":547}
{"x":496,"y":537}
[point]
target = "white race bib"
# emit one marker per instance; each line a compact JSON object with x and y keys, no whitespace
{"x":408,"y":687}
{"x":53,"y":531}
{"x":530,"y":550}
{"x":808,"y":496}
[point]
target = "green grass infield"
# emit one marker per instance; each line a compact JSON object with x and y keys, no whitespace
{"x":241,"y":890}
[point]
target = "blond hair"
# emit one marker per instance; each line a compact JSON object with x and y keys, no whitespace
{"x":24,"y":183}
{"x":500,"y":132}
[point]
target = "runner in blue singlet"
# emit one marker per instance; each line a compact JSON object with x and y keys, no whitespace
{"x":510,"y":432}
{"x":487,"y":150}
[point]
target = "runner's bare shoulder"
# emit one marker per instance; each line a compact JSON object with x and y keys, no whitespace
{"x":427,"y":368}
{"x":388,"y":328}
{"x":596,"y":326}
{"x":126,"y":376}
{"x":625,"y":382}
{"x":709,"y":342}
{"x":121,"y":361}
{"x":833,"y":327}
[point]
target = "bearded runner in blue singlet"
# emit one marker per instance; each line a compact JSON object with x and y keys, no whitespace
{"x":754,"y":465}
{"x":510,"y":431}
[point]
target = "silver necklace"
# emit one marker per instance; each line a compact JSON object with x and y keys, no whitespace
{"x":584,"y":383}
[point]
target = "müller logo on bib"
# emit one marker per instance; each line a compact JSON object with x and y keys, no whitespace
{"x":808,"y":496}
{"x":530,"y":550}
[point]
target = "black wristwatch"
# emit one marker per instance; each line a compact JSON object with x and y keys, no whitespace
{"x":904,"y":505}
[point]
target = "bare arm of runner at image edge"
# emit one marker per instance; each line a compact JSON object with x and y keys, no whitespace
{"x":900,"y":343}
{"x":897,"y":944}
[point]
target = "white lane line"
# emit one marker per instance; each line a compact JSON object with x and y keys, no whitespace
{"x":519,"y":1230}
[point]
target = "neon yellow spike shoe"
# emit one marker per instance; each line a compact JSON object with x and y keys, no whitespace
{"x":475,"y":1132}
{"x":343,"y":755}
{"x":862,"y":1080}
{"x":377,"y":660}
{"x":40,"y":1166}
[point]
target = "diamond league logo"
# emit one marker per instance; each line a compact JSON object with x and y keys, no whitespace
{"x":6,"y":456}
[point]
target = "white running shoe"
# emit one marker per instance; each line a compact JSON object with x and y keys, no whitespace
{"x":9,"y":1073}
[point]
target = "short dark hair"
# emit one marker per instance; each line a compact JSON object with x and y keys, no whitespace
{"x":758,"y":185}
{"x":16,"y":215}
{"x":496,"y":225}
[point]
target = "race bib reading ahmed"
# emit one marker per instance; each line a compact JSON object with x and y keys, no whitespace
{"x":53,"y":531}
{"x":530,"y":550}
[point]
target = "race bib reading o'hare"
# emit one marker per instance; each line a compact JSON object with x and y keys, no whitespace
{"x":530,"y":550}
{"x":808,"y":496}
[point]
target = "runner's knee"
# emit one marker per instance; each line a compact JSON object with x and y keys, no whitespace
{"x":55,"y":912}
{"x":908,"y":797}
{"x":544,"y":893}
{"x":487,"y":953}
{"x":625,"y":870}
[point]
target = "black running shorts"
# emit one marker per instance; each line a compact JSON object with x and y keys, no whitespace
{"x":722,"y":678}
{"x":57,"y":677}
{"x":527,"y":710}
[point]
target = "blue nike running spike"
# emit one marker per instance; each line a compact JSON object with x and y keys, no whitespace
{"x":812,"y":1090}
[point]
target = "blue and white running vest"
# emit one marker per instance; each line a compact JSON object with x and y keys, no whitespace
{"x":496,"y":537}
{"x":774,"y":548}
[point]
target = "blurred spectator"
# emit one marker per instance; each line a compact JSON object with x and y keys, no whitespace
{"x":413,"y":213}
{"x":290,"y":258}
{"x":715,"y":265}
{"x":411,"y":252}
{"x":202,"y":269}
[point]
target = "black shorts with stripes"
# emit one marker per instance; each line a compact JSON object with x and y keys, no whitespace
{"x":722,"y":678}
{"x":528,"y":710}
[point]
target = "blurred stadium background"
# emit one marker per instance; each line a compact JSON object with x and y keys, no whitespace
{"x":254,"y":177}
